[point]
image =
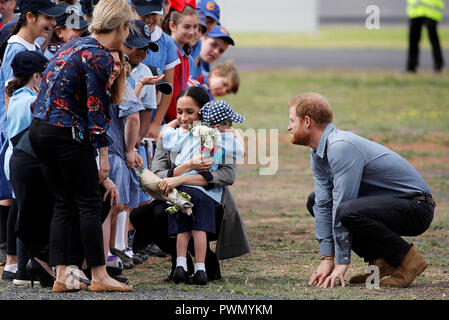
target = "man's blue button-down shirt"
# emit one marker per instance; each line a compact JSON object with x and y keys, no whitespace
{"x":347,"y":167}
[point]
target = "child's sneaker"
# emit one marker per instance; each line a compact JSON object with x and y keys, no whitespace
{"x":114,"y":262}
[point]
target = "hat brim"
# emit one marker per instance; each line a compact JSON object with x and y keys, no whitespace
{"x":222,"y":36}
{"x":149,"y":9}
{"x":235,"y":117}
{"x":213,"y":16}
{"x":164,"y":87}
{"x":139,"y":43}
{"x":82,"y":24}
{"x":54,"y":11}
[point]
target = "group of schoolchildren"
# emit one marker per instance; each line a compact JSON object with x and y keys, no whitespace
{"x":171,"y":47}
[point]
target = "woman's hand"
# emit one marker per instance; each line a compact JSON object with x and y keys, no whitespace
{"x":167,"y":184}
{"x":151,"y":80}
{"x":103,"y":172}
{"x":200,"y":162}
{"x":111,"y":190}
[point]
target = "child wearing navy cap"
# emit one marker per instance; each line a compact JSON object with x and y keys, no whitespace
{"x":212,"y":12}
{"x":166,"y":59}
{"x":69,"y":25}
{"x":214,"y":44}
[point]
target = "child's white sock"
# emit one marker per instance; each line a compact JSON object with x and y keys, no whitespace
{"x":199,"y":266}
{"x":120,"y":232}
{"x":11,"y":268}
{"x":181,"y":261}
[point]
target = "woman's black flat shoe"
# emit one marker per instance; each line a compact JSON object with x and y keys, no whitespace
{"x":38,"y":273}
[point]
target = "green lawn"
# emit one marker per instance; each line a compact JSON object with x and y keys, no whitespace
{"x":343,"y":37}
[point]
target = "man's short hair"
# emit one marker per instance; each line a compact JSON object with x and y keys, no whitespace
{"x":228,"y":70}
{"x":313,"y":105}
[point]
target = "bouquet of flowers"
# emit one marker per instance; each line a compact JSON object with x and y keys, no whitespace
{"x":149,"y":183}
{"x":208,"y":137}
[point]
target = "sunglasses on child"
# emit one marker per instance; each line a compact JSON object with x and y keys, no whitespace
{"x":225,"y":123}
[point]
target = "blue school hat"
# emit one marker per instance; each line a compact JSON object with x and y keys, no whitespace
{"x":141,"y":37}
{"x":162,"y":86}
{"x":46,"y":7}
{"x":71,"y":18}
{"x":218,"y":110}
{"x":210,"y":9}
{"x":145,"y":7}
{"x":27,"y":63}
{"x":220,"y":32}
{"x":202,"y":19}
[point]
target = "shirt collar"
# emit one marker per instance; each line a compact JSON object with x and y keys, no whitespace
{"x":183,"y":53}
{"x":156,"y":34}
{"x":322,"y":145}
{"x":16,"y":39}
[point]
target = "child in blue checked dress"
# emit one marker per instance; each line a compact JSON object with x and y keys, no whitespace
{"x":219,"y":115}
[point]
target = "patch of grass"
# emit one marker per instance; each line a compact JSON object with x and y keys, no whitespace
{"x":340,"y":37}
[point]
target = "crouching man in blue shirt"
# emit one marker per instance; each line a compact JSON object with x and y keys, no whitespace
{"x":366,"y":197}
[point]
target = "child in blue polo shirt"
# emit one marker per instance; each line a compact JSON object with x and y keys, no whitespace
{"x":213,"y":45}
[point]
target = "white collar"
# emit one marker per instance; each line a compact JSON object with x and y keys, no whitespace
{"x":156,"y":34}
{"x":16,"y":39}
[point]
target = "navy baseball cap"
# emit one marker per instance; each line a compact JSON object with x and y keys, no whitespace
{"x":145,"y":7}
{"x":46,"y":7}
{"x":27,"y":63}
{"x":141,"y":38}
{"x":221,"y":32}
{"x":218,"y":110}
{"x":210,"y":9}
{"x":162,"y":86}
{"x":71,"y":18}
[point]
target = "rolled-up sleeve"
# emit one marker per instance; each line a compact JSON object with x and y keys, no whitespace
{"x":347,"y":163}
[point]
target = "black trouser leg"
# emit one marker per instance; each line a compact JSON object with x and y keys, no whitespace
{"x":11,"y":235}
{"x":310,"y":203}
{"x":71,"y":172}
{"x":35,"y":203}
{"x":414,"y":37}
{"x":4,"y":212}
{"x":438,"y":60}
{"x":377,"y":224}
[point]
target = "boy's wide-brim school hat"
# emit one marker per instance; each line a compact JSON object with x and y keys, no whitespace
{"x":210,"y":9}
{"x":45,"y":7}
{"x":220,"y":32}
{"x":141,"y":38}
{"x":71,"y":19}
{"x":145,"y":7}
{"x":162,"y":86}
{"x":27,"y":63}
{"x":218,"y":110}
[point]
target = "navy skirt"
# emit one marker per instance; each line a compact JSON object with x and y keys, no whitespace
{"x":203,"y":218}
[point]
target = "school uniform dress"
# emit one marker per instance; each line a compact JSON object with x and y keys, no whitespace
{"x":148,"y":98}
{"x":204,"y":200}
{"x":182,"y":74}
{"x":166,"y":57}
{"x":124,"y":178}
{"x":15,"y":45}
{"x":71,"y":118}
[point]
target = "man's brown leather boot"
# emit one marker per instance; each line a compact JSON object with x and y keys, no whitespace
{"x":411,"y":266}
{"x":384,"y":270}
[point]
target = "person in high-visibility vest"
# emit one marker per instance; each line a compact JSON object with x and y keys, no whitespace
{"x":428,"y":13}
